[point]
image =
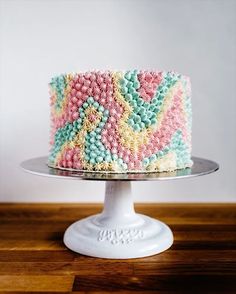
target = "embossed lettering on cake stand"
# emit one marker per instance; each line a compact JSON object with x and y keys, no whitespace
{"x":120,"y":236}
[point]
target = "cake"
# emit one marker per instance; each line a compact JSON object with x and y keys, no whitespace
{"x":120,"y":122}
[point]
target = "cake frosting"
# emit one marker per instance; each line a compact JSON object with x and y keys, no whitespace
{"x":113,"y":121}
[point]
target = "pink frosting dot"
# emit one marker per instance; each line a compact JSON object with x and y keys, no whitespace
{"x":87,"y":75}
{"x":87,"y":83}
{"x":103,"y":86}
{"x":108,"y":125}
{"x":104,"y":95}
{"x":99,"y":79}
{"x":74,"y":108}
{"x":81,"y":79}
{"x":75,"y":115}
{"x":96,"y":97}
{"x":84,"y":89}
{"x":90,"y":92}
{"x":131,"y":165}
{"x":78,"y":94}
{"x":79,"y":103}
{"x":74,"y":99}
{"x":114,"y":150}
{"x":77,"y":86}
{"x":96,"y":90}
{"x":107,"y":145}
{"x":69,"y":164}
{"x":103,"y":101}
{"x":104,"y":132}
{"x":93,"y":77}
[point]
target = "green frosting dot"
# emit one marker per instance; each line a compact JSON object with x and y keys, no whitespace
{"x":128,"y":97}
{"x":136,"y":127}
{"x":123,"y":82}
{"x":124,"y":90}
{"x":154,"y":100}
{"x":106,"y":112}
{"x":136,"y":84}
{"x":128,"y":75}
{"x":133,"y":103}
{"x":101,"y":125}
{"x":93,"y":147}
{"x":102,"y":148}
{"x":144,"y":117}
{"x":131,"y":90}
{"x":153,"y":157}
{"x":160,"y":153}
{"x":146,"y":161}
{"x":120,"y":161}
{"x":142,"y":125}
{"x":125,"y":166}
{"x":92,"y":140}
{"x":90,"y":100}
{"x":101,"y":108}
{"x":85,"y":105}
{"x":96,"y":105}
{"x":137,"y":119}
{"x":108,"y":158}
{"x":153,"y":121}
{"x":107,"y":152}
{"x":99,"y":159}
{"x":92,"y":161}
{"x":136,"y":97}
{"x":93,"y":154}
{"x":114,"y":156}
{"x":93,"y":134}
{"x":131,"y":122}
{"x":147,"y":122}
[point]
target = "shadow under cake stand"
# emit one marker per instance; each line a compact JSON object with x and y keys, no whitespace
{"x":118,"y":232}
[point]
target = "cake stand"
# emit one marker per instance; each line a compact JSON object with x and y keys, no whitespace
{"x":118,"y":232}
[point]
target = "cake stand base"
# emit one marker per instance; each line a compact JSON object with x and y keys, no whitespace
{"x":118,"y":232}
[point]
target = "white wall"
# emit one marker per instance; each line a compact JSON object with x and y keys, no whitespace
{"x":42,"y":38}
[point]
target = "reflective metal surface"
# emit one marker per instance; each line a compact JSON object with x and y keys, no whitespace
{"x":38,"y":166}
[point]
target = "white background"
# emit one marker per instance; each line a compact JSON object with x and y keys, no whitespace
{"x":39,"y":39}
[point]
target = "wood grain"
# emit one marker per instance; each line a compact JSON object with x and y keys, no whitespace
{"x":34,"y":259}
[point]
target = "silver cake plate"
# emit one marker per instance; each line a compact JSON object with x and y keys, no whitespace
{"x":118,"y":232}
{"x":38,"y":166}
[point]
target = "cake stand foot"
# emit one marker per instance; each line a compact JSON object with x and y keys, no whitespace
{"x":118,"y":232}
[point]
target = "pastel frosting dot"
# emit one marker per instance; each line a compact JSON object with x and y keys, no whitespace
{"x":99,"y":159}
{"x":90,"y":100}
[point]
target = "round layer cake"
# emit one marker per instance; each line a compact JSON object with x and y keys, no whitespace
{"x":130,"y":121}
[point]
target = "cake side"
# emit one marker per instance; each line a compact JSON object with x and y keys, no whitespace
{"x":133,"y":121}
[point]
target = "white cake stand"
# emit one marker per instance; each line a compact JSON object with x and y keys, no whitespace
{"x":118,"y":232}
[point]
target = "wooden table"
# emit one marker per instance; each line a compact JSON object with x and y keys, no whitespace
{"x":34,"y":259}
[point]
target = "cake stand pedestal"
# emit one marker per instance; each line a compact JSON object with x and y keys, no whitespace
{"x":118,"y":232}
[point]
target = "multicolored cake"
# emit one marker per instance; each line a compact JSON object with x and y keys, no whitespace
{"x":120,"y":122}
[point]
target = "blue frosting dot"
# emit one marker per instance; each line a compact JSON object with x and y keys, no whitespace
{"x":99,"y":159}
{"x":90,"y":100}
{"x":92,"y":161}
{"x":101,"y":108}
{"x":146,"y":161}
{"x":108,"y":158}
